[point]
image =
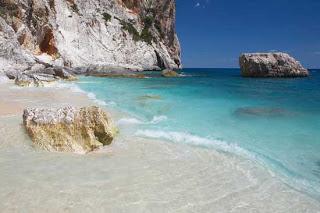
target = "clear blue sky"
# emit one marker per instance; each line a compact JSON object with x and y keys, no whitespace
{"x":214,"y":32}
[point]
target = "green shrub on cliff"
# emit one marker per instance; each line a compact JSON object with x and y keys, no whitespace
{"x":148,"y":21}
{"x":131,"y":30}
{"x":106,"y":17}
{"x":145,"y":34}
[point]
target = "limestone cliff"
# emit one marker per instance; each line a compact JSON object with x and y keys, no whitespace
{"x":133,"y":34}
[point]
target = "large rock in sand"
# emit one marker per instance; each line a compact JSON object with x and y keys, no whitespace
{"x":69,"y":129}
{"x":270,"y":65}
{"x":39,"y":76}
{"x":36,"y":80}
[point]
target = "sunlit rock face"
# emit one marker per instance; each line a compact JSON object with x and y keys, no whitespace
{"x":271,"y":65}
{"x":139,"y":35}
{"x":69,"y":129}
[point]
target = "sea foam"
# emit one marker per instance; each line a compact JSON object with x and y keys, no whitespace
{"x":187,"y":138}
{"x":155,"y":120}
{"x":90,"y":95}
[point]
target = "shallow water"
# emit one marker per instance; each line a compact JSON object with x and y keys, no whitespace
{"x":134,"y":174}
{"x":273,"y":121}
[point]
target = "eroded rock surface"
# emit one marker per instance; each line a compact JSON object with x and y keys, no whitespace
{"x":69,"y":129}
{"x":35,"y":80}
{"x":271,"y":65}
{"x":39,"y":77}
{"x":136,"y":35}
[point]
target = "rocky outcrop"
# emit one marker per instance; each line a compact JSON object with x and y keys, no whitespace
{"x":117,"y":75}
{"x":136,"y":35}
{"x":270,"y":65}
{"x":69,"y":129}
{"x":13,"y":58}
{"x":38,"y":76}
{"x":169,"y":73}
{"x":35,"y":80}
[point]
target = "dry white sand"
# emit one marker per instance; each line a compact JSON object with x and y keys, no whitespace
{"x":131,"y":175}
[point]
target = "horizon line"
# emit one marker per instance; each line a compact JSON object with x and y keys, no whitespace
{"x":230,"y":68}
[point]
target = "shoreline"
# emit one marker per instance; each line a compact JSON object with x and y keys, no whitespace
{"x":133,"y":173}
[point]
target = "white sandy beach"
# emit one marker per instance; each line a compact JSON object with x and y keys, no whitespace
{"x":131,"y":175}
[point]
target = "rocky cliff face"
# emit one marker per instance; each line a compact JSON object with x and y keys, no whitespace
{"x":133,"y":34}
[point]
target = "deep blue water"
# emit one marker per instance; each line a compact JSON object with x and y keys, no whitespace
{"x":273,"y":121}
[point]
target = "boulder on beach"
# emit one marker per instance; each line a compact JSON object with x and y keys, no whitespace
{"x":64,"y":73}
{"x":69,"y":129}
{"x":37,"y":80}
{"x":39,"y":76}
{"x":271,"y":65}
{"x":169,"y":73}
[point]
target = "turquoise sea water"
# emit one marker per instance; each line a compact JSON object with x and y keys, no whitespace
{"x":275,"y":122}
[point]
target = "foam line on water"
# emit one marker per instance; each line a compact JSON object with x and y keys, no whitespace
{"x":130,"y":120}
{"x":124,"y":121}
{"x":187,"y":138}
{"x":75,"y":88}
{"x":295,"y":181}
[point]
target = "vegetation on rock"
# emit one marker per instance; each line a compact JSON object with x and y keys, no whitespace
{"x":107,"y":17}
{"x":145,"y":34}
{"x":131,"y":30}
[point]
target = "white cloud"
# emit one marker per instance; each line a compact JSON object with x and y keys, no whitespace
{"x":201,"y":3}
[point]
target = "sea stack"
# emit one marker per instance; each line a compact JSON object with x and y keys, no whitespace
{"x":271,"y":65}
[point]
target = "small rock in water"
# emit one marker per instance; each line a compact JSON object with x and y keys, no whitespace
{"x":260,"y":111}
{"x":149,"y":97}
{"x":69,"y":129}
{"x":113,"y":74}
{"x":169,"y":73}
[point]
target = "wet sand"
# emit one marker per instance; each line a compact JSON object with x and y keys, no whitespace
{"x":132,"y":175}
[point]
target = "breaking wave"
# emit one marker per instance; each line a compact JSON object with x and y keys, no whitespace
{"x":187,"y":138}
{"x":155,"y":120}
{"x":289,"y":177}
{"x":91,"y":96}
